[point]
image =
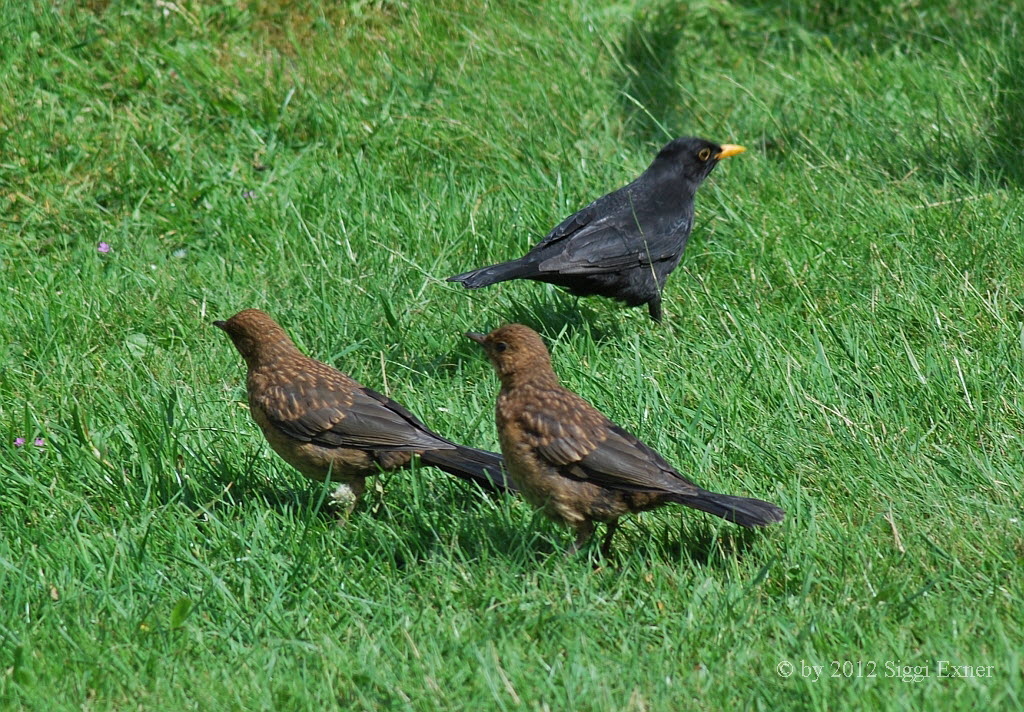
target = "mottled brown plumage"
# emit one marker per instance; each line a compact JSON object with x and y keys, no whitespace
{"x":324,"y":423}
{"x":574,"y":463}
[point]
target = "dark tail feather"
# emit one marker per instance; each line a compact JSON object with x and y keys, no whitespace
{"x":480,"y":466}
{"x":745,"y":511}
{"x":486,"y":276}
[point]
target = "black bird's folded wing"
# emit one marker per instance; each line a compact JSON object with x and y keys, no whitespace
{"x":607,"y":248}
{"x":607,"y":207}
{"x":570,"y":226}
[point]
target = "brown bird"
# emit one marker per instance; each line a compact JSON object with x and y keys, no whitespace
{"x":574,"y":463}
{"x":325,"y":424}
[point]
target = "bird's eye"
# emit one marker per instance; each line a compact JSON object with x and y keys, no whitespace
{"x":500,"y":346}
{"x":705,"y":154}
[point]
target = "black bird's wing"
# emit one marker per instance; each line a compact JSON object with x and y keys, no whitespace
{"x":613,"y":234}
{"x":570,"y":226}
{"x":618,"y":202}
{"x":608,"y":248}
{"x":323,"y":406}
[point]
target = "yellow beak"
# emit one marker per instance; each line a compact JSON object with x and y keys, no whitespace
{"x":729,"y":149}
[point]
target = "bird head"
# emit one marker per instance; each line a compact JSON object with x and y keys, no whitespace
{"x":692,"y":158}
{"x":254,"y":332}
{"x":517,"y":352}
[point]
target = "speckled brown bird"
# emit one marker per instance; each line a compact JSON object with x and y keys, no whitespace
{"x":323,"y":422}
{"x":574,"y":463}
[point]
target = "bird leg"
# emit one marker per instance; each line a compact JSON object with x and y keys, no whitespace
{"x":654,"y":309}
{"x":584,"y":530}
{"x":606,"y":544}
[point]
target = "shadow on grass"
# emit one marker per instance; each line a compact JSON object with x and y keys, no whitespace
{"x":705,"y":544}
{"x":455,"y":520}
{"x":1008,"y":153}
{"x":570,"y":315}
{"x":873,"y":27}
{"x":648,"y":91}
{"x":549,"y":311}
{"x":867,"y":26}
{"x":429,"y":516}
{"x":237,"y":485}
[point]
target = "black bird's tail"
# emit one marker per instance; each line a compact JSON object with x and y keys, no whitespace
{"x":486,"y":276}
{"x":745,"y":511}
{"x":480,"y":466}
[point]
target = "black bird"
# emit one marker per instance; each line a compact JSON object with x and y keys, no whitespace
{"x":625,"y":244}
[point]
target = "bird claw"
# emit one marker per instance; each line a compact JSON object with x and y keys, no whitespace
{"x":343,"y":500}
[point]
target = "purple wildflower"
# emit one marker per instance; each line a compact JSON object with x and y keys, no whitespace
{"x":103,"y":247}
{"x":18,"y":442}
{"x":249,"y":195}
{"x":39,"y":442}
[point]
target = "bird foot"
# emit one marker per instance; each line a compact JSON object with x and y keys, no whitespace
{"x":343,"y":501}
{"x":654,"y":309}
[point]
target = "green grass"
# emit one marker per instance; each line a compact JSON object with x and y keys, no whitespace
{"x":844,"y":337}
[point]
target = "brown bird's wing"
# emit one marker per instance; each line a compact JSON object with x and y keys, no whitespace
{"x":622,"y":461}
{"x":329,"y":409}
{"x":571,"y":434}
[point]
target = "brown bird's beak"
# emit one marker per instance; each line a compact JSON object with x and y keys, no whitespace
{"x":476,"y":336}
{"x":221,"y":324}
{"x":729,"y":149}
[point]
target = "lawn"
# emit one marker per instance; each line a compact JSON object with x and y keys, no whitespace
{"x":843,"y":337}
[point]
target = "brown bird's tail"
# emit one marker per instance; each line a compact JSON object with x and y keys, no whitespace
{"x":480,"y":466}
{"x":745,"y":511}
{"x":486,"y":276}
